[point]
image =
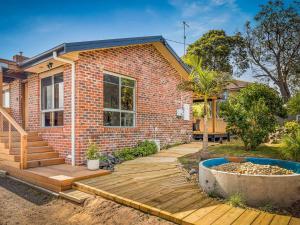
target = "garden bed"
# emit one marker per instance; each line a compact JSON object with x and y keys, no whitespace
{"x":251,"y":168}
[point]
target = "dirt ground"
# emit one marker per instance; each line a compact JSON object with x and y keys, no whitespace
{"x":20,"y":204}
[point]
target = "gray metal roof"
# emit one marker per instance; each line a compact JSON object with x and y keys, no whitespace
{"x":90,"y":45}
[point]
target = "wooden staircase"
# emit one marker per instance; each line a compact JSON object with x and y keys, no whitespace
{"x":39,"y":153}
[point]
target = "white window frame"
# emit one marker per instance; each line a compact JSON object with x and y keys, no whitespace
{"x":43,"y":111}
{"x":6,"y":89}
{"x":120,"y":110}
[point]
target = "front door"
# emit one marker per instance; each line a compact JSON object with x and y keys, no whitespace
{"x":25,"y":105}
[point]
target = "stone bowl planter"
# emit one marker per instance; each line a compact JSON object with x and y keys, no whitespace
{"x":281,"y":190}
{"x":93,"y":164}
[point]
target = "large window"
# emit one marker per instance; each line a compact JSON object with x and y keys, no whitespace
{"x":6,"y":98}
{"x":119,"y":101}
{"x":52,"y":100}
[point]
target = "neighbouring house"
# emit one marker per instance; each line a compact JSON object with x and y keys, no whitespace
{"x":114,"y":92}
{"x":216,"y":124}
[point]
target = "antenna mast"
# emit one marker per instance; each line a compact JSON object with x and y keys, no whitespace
{"x":184,"y":36}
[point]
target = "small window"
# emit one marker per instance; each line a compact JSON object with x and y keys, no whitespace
{"x":119,"y":101}
{"x":6,"y":98}
{"x":52,"y":100}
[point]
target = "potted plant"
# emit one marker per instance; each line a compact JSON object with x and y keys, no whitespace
{"x":92,"y":156}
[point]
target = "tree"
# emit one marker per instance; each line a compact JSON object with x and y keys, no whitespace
{"x":252,"y":114}
{"x":273,"y":46}
{"x":215,"y":49}
{"x":206,"y":84}
{"x":293,"y":105}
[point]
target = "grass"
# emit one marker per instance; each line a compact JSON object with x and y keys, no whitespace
{"x":233,"y":148}
{"x":236,"y":148}
{"x":237,"y":200}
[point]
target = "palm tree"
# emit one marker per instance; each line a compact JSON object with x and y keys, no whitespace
{"x":205,"y":84}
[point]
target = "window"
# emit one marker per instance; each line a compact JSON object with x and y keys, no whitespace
{"x":6,"y":98}
{"x":119,"y":101}
{"x":52,"y":100}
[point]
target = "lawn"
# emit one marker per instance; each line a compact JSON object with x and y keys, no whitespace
{"x":233,"y":148}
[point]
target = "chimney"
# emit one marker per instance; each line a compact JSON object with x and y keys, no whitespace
{"x":19,"y":57}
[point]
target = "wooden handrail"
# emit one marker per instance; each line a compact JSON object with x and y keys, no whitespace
{"x":12,"y":121}
{"x":23,"y":136}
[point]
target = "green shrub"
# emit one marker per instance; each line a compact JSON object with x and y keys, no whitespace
{"x":252,"y":114}
{"x":293,"y":105}
{"x":291,"y":146}
{"x":237,"y":200}
{"x":93,"y":151}
{"x":291,"y":128}
{"x":144,"y":148}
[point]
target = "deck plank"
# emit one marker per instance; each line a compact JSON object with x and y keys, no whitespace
{"x":280,"y":220}
{"x":229,"y":217}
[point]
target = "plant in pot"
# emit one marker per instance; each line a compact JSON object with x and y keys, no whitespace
{"x":92,"y":156}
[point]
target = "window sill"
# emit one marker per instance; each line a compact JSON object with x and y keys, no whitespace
{"x":120,"y":129}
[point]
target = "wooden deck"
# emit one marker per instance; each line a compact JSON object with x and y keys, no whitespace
{"x":156,"y":185}
{"x":56,"y":178}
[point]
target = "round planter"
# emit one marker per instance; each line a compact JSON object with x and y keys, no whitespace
{"x":282,"y":190}
{"x":93,"y":164}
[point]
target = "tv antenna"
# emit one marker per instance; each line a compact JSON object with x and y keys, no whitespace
{"x":185,"y":25}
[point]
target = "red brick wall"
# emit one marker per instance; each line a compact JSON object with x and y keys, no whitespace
{"x":157,"y":99}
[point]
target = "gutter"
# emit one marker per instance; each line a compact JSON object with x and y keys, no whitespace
{"x":72,"y":63}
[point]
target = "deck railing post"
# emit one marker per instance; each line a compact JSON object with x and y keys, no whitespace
{"x":9,"y":136}
{"x":24,"y":150}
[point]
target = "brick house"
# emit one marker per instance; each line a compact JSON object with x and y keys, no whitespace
{"x":115,"y":92}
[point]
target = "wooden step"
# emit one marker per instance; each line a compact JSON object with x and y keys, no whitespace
{"x":17,"y":139}
{"x":35,"y":149}
{"x":15,"y":133}
{"x":38,"y":156}
{"x":17,"y":144}
{"x":4,"y":156}
{"x":75,"y":195}
{"x":45,"y":162}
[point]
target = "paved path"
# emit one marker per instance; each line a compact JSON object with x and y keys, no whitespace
{"x":157,"y":185}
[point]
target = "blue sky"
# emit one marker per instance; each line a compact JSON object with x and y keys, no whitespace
{"x":35,"y":26}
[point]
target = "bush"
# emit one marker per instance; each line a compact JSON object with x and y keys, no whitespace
{"x":92,"y":152}
{"x":144,"y":148}
{"x":293,"y":105}
{"x":252,"y":114}
{"x":291,"y":146}
{"x":291,"y":128}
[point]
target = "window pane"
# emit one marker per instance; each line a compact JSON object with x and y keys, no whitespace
{"x":5,"y":99}
{"x":111,"y":96}
{"x":58,"y":118}
{"x":111,"y":79}
{"x":46,"y":93}
{"x":127,"y":119}
{"x":127,"y":82}
{"x":58,"y":91}
{"x":47,"y":119}
{"x":111,"y":118}
{"x":127,"y":98}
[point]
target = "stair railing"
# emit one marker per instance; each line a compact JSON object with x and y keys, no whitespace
{"x":9,"y":125}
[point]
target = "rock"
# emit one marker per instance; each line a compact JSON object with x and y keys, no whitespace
{"x":251,"y":168}
{"x":193,"y":171}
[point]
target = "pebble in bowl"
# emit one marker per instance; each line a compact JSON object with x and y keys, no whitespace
{"x":260,"y":180}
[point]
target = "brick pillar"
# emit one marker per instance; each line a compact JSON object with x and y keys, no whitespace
{"x":16,"y":100}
